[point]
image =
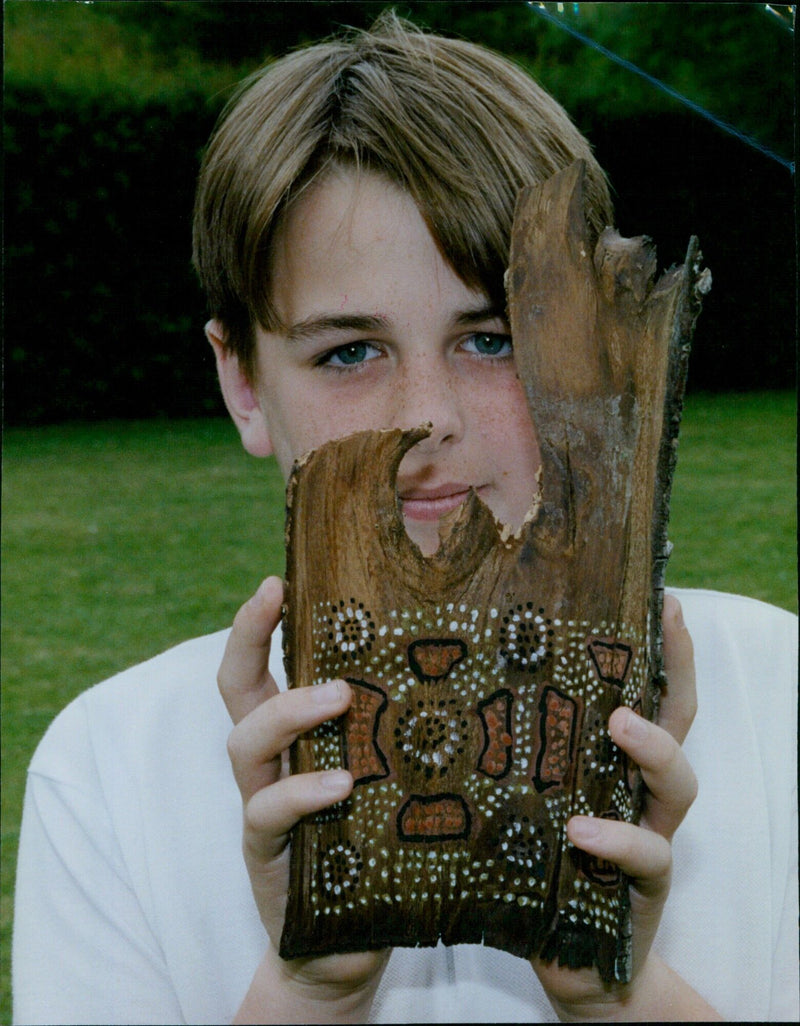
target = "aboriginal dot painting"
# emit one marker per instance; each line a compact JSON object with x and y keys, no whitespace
{"x":468,"y":751}
{"x":482,"y":678}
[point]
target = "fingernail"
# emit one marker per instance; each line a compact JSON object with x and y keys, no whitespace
{"x":635,"y":727}
{"x":261,"y":591}
{"x":328,"y":694}
{"x":583,"y":828}
{"x":336,"y":780}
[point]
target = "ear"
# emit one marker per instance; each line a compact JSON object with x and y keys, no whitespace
{"x":239,"y":394}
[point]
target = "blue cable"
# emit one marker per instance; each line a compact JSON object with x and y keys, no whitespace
{"x":730,"y":129}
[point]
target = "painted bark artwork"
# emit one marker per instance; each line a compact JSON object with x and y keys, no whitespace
{"x":483,"y":676}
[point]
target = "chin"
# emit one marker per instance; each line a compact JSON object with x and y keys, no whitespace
{"x":424,"y":535}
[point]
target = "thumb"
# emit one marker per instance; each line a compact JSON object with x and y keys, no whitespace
{"x":244,"y":679}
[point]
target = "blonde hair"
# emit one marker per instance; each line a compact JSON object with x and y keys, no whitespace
{"x":458,"y":127}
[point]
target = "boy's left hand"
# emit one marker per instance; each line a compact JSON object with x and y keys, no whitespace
{"x":643,"y":852}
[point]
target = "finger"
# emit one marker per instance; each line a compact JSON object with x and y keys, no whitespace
{"x":257,"y":742}
{"x":243,"y":678}
{"x":273,"y":811}
{"x":665,"y":769}
{"x":679,"y":697}
{"x":644,"y":856}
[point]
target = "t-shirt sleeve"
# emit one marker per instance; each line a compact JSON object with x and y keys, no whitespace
{"x":83,"y":949}
{"x":784,"y":1001}
{"x":768,"y":653}
{"x":775,"y":713}
{"x":730,"y":925}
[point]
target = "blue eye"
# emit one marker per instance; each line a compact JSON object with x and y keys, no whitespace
{"x":489,"y":343}
{"x":351,"y":355}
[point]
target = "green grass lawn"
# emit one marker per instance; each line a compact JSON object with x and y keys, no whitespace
{"x":121,"y":539}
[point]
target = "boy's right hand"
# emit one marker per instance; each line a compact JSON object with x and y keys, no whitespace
{"x":266,"y":722}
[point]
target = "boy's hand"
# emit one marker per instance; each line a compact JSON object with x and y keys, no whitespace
{"x":266,"y":722}
{"x":643,"y":852}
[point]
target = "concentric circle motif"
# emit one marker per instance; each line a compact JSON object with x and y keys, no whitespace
{"x":526,"y":636}
{"x":351,"y":628}
{"x":340,"y":869}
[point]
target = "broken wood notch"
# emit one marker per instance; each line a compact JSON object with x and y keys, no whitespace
{"x":484,"y":675}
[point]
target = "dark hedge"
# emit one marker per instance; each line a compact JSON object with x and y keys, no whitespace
{"x":103,"y":316}
{"x":677,"y":175}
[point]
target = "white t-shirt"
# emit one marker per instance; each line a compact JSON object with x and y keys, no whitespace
{"x":133,"y":904}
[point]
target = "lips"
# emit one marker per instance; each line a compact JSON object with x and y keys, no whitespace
{"x":433,"y":503}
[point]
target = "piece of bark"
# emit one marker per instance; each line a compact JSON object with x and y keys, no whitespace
{"x":483,"y":676}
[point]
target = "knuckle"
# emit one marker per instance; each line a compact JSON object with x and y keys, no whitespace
{"x":235,"y":747}
{"x":627,"y":847}
{"x":686,"y":643}
{"x":692,"y":789}
{"x":659,"y":857}
{"x":222,"y":676}
{"x":253,"y":815}
{"x":652,"y":854}
{"x":664,"y":753}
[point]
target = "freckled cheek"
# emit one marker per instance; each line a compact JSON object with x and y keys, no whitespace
{"x":312,"y":426}
{"x":509,"y":433}
{"x":506,"y":416}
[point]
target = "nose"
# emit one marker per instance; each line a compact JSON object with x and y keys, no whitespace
{"x":429,"y":392}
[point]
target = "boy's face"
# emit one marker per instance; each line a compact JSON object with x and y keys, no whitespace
{"x":381,"y":333}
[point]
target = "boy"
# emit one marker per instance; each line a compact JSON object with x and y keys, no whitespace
{"x":351,"y":231}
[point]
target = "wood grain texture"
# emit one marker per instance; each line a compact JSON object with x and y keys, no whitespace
{"x":484,"y":675}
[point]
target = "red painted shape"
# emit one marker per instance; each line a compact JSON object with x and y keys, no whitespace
{"x":611,"y":659}
{"x":362,"y":753}
{"x":557,"y":732}
{"x":435,"y":658}
{"x":495,"y":714}
{"x":438,"y":817}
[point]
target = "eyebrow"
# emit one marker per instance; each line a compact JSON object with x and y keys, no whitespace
{"x":487,"y":312}
{"x":313,"y":327}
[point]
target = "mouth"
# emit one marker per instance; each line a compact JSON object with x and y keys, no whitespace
{"x":433,"y":503}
